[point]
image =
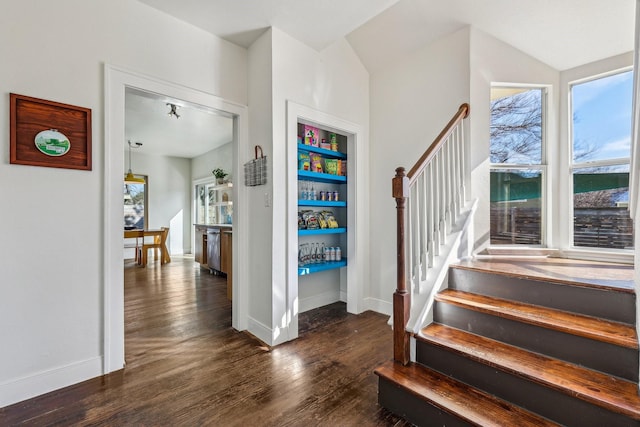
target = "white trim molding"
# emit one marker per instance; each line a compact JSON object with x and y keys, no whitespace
{"x":116,"y":81}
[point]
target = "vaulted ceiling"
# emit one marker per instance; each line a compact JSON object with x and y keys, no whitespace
{"x":561,"y":33}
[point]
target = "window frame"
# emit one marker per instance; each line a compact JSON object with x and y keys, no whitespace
{"x":615,"y":254}
{"x":543,"y":166}
{"x":146,"y":199}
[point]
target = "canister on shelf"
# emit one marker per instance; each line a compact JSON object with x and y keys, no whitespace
{"x":334,"y":142}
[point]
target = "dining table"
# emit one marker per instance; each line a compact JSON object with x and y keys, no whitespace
{"x":157,"y":239}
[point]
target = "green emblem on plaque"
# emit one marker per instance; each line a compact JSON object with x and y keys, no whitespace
{"x":52,"y":143}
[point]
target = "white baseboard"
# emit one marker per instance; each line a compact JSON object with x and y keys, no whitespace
{"x":319,"y":300}
{"x":17,"y":390}
{"x":260,"y":331}
{"x":379,"y":306}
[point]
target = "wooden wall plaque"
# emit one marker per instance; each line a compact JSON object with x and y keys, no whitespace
{"x":31,"y":116}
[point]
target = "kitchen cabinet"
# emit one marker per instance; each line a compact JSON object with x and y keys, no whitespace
{"x":200,"y":245}
{"x":214,"y":250}
{"x":214,"y":202}
{"x":226,"y":258}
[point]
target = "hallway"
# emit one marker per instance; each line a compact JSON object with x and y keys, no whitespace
{"x":187,"y":367}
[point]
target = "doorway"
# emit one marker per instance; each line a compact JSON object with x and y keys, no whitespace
{"x":117,"y":81}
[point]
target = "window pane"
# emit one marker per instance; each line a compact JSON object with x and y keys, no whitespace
{"x":134,"y":206}
{"x":516,"y":207}
{"x":516,"y":126}
{"x":600,"y":200}
{"x":601,"y":117}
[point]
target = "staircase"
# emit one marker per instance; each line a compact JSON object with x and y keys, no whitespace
{"x":510,"y":350}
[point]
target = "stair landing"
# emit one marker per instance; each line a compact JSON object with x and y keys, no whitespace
{"x":560,"y":270}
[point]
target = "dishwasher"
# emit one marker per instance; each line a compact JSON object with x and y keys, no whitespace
{"x":213,"y":250}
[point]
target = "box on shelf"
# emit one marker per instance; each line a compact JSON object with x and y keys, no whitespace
{"x":304,"y":161}
{"x":335,"y":167}
{"x":311,"y":135}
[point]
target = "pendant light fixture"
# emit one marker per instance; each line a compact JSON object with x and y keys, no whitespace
{"x":129,"y":178}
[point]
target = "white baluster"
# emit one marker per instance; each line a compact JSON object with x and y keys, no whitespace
{"x":463,"y":176}
{"x":436,"y":205}
{"x":442,"y":201}
{"x":422,"y":196}
{"x":428,"y":173}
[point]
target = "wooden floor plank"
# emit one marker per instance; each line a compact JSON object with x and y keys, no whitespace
{"x":187,"y":366}
{"x":611,"y":393}
{"x":589,"y":327}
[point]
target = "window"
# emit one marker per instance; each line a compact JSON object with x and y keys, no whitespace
{"x":518,"y":165}
{"x":213,"y":202}
{"x":601,"y":138}
{"x":135,"y":205}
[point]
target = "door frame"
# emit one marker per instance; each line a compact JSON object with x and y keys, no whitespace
{"x":117,"y":79}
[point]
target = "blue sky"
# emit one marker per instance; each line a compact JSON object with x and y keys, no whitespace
{"x":602,"y":115}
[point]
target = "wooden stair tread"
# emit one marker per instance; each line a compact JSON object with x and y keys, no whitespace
{"x":612,"y":393}
{"x":585,"y":326}
{"x":519,"y":270}
{"x":457,"y":398}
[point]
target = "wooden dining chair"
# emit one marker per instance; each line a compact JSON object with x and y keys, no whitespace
{"x":136,"y":247}
{"x":159,"y":245}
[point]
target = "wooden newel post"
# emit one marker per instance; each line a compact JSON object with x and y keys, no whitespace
{"x":401,"y":298}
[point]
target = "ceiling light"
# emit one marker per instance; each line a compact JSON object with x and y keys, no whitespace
{"x":173,"y":110}
{"x":129,"y":178}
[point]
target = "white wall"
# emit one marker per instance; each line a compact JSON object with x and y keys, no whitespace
{"x":494,"y":61}
{"x":332,"y":81}
{"x":220,"y":157}
{"x":169,"y":198}
{"x":51,"y":304}
{"x":261,"y":213}
{"x":411,"y":101}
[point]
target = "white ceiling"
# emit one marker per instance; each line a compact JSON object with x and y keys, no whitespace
{"x":561,"y":33}
{"x":318,"y":23}
{"x":197,"y":131}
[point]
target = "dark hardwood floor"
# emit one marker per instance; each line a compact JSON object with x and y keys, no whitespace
{"x":186,"y":366}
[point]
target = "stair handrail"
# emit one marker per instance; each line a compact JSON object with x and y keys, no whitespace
{"x":401,"y":187}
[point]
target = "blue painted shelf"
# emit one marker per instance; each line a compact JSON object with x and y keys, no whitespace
{"x":315,"y":268}
{"x":322,"y":177}
{"x":322,"y":231}
{"x":325,"y":203}
{"x":324,"y":152}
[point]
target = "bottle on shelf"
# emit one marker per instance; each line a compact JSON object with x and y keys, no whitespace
{"x":313,"y":195}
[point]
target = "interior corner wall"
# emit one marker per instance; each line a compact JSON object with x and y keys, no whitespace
{"x":411,"y":101}
{"x":260,"y":207}
{"x":492,"y":60}
{"x":219,"y":157}
{"x":51,"y":304}
{"x":169,"y":198}
{"x":332,"y":81}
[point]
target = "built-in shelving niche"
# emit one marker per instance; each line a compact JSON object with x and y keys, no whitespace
{"x":315,"y":285}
